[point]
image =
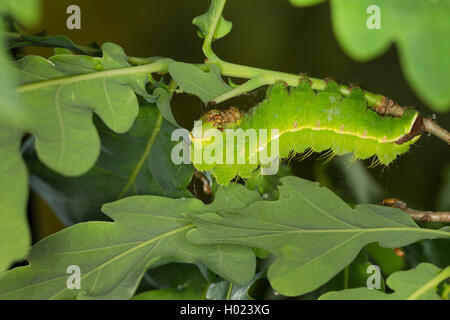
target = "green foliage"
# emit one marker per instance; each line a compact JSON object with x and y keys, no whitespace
{"x":163,"y":100}
{"x":205,"y":85}
{"x":360,"y":182}
{"x":208,"y":19}
{"x":350,"y":179}
{"x":96,"y":128}
{"x":352,"y":182}
{"x":174,"y":282}
{"x":134,"y":163}
{"x":267,"y":185}
{"x":385,"y":258}
{"x":169,"y":294}
{"x":148,"y":231}
{"x":312,"y":233}
{"x":14,"y":235}
{"x":353,"y":276}
{"x":177,"y":275}
{"x":27,"y":12}
{"x":306,"y":2}
{"x":435,"y":252}
{"x":66,"y":89}
{"x":225,"y":290}
{"x":42,"y":40}
{"x":420,"y":30}
{"x":417,"y":284}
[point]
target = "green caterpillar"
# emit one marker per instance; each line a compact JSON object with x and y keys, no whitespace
{"x":305,"y":120}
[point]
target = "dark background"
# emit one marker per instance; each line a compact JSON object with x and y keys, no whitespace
{"x":270,"y":34}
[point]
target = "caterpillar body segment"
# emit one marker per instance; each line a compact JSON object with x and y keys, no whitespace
{"x":294,"y":121}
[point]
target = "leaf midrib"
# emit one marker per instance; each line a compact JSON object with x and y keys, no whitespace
{"x":159,"y":237}
{"x":121,"y":255}
{"x":158,"y":66}
{"x":350,"y":230}
{"x":143,"y":158}
{"x":441,"y":276}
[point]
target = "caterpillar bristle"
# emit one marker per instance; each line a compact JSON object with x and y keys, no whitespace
{"x":349,"y":162}
{"x":375,"y":162}
{"x":379,"y":163}
{"x":354,"y":158}
{"x":327,"y":156}
{"x":291,"y":156}
{"x":324,"y":155}
{"x":236,"y":178}
{"x":295,"y":156}
{"x":331,"y":157}
{"x":306,"y":154}
{"x":313,"y":117}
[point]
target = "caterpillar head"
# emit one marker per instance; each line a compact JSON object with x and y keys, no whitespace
{"x":214,"y":117}
{"x":221,"y":118}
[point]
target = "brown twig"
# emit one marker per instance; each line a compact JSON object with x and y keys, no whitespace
{"x":422,"y":216}
{"x":387,"y":106}
{"x":433,"y":128}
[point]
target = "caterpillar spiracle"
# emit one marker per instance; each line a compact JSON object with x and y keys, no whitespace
{"x":294,"y":121}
